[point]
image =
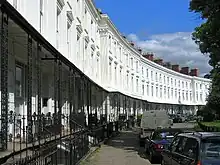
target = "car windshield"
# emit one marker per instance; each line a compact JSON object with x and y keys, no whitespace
{"x":211,"y":148}
{"x":163,"y":135}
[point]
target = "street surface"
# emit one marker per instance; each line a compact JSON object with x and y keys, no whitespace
{"x":124,"y":150}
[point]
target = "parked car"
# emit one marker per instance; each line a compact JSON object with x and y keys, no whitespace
{"x":159,"y":140}
{"x":151,"y":120}
{"x":177,"y":119}
{"x":197,"y":148}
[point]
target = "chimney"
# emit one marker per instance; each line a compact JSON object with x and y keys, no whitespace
{"x":132,"y":44}
{"x":167,"y":65}
{"x":194,"y":72}
{"x":185,"y":70}
{"x":176,"y":68}
{"x":139,"y":50}
{"x":149,"y":56}
{"x":159,"y":61}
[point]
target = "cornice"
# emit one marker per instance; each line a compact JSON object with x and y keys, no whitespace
{"x":91,"y":6}
{"x":131,"y":49}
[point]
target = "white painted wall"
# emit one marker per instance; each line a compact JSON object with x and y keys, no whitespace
{"x":109,"y":58}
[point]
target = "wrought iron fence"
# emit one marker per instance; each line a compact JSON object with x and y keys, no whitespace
{"x":63,"y":151}
{"x":52,"y":140}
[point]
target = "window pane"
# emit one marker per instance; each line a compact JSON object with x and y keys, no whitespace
{"x":18,"y":82}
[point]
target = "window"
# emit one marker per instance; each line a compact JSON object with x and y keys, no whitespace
{"x":69,"y":39}
{"x":132,"y":84}
{"x":156,"y":91}
{"x":152,"y":91}
{"x":152,"y":77}
{"x":210,"y":149}
{"x":127,"y":80}
{"x":147,"y":73}
{"x":115,"y":74}
{"x":97,"y":71}
{"x":175,"y":144}
{"x":165,"y":92}
{"x":148,"y":90}
{"x":137,"y":83}
{"x":168,"y":92}
{"x":110,"y":71}
{"x":58,"y":25}
{"x":120,"y":52}
{"x":137,"y":66}
{"x":110,"y":41}
{"x":19,"y":84}
{"x":191,"y":148}
{"x":142,"y":89}
{"x":132,"y":65}
{"x":160,"y":92}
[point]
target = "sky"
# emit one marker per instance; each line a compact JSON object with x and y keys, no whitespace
{"x":160,"y":26}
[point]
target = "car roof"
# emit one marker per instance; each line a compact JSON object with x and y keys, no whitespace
{"x":201,"y":135}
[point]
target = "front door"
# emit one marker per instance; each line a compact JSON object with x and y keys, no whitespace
{"x":20,"y":108}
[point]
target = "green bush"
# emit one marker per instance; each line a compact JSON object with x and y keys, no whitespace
{"x":207,"y":114}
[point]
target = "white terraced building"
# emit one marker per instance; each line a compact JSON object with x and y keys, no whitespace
{"x":90,"y":41}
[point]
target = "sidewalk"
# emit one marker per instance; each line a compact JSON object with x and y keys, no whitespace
{"x":121,"y":150}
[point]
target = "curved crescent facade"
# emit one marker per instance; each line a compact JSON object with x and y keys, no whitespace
{"x":91,"y":42}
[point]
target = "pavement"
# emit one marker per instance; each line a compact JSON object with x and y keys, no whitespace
{"x":124,"y":150}
{"x":121,"y":150}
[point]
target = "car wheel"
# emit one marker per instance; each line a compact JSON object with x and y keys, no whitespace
{"x":146,"y":149}
{"x":162,"y":162}
{"x":151,"y":157}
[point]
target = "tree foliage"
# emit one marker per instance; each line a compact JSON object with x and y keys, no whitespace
{"x":207,"y":36}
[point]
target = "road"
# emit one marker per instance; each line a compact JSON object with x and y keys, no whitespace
{"x":183,"y":125}
{"x":124,"y":150}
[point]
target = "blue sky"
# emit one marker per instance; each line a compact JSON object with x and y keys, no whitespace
{"x":160,"y":26}
{"x":148,"y":17}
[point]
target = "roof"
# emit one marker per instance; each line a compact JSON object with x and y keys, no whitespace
{"x":202,"y":135}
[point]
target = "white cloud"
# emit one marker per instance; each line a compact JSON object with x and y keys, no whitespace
{"x":178,"y":48}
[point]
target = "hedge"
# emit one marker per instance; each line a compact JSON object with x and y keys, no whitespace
{"x":210,"y":126}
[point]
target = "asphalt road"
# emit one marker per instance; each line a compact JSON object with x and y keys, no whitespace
{"x":124,"y":150}
{"x":184,"y":125}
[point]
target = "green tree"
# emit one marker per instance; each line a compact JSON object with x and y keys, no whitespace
{"x":207,"y":36}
